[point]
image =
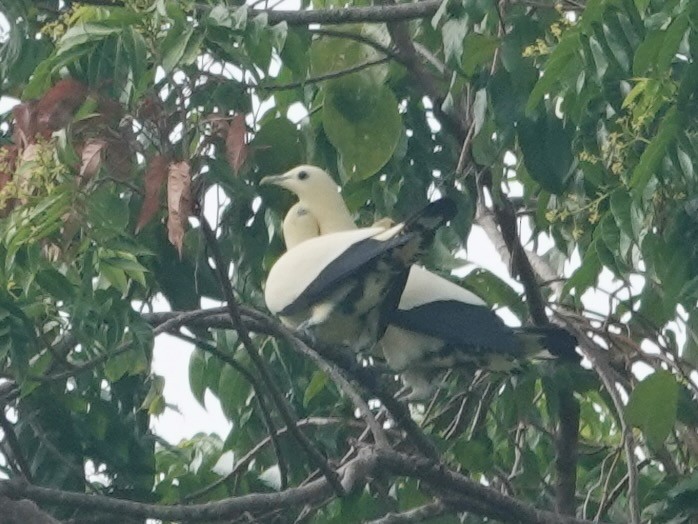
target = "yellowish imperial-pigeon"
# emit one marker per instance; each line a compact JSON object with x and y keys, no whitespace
{"x":339,"y":288}
{"x":437,"y":324}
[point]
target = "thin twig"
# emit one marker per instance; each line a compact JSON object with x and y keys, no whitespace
{"x":418,"y":514}
{"x":605,"y":373}
{"x":279,"y":400}
{"x":259,"y":397}
{"x":245,"y":460}
{"x":15,"y":447}
{"x":358,"y":37}
{"x":327,"y":76}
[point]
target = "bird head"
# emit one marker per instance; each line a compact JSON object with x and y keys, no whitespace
{"x":306,"y":182}
{"x":299,"y":225}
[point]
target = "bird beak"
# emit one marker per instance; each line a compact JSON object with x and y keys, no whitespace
{"x":276,"y":180}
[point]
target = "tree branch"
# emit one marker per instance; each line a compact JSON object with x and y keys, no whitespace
{"x":23,"y":512}
{"x":349,"y":15}
{"x":418,"y":514}
{"x":15,"y":447}
{"x":219,"y":510}
{"x":334,"y":16}
{"x":448,"y":482}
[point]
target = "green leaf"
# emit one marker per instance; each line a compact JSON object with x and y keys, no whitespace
{"x":317,"y":384}
{"x":197,"y":375}
{"x":56,"y":284}
{"x":495,"y":291}
{"x":585,"y":275}
{"x":174,"y":47}
{"x":621,"y":204}
{"x":127,"y":363}
{"x":559,"y":61}
{"x":107,"y":211}
{"x":278,"y":146}
{"x":672,"y":38}
{"x":646,"y":53}
{"x":690,"y":348}
{"x":652,"y":406}
{"x":655,"y":151}
{"x":478,"y":50}
{"x":453,"y":33}
{"x":82,"y":33}
{"x":328,"y":55}
{"x":474,"y":455}
{"x":232,"y":391}
{"x":547,"y":150}
{"x":362,"y":121}
{"x":115,"y":276}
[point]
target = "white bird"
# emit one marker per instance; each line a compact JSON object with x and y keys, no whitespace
{"x":437,"y":324}
{"x":339,"y":288}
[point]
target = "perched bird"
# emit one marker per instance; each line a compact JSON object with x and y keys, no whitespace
{"x":299,"y":225}
{"x":437,"y":324}
{"x":339,"y":288}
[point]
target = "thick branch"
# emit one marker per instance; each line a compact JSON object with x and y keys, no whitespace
{"x":448,"y":482}
{"x":453,"y":487}
{"x":344,"y":15}
{"x":350,"y":15}
{"x":225,"y":509}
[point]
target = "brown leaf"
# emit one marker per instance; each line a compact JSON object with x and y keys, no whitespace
{"x":235,"y":145}
{"x":178,"y":202}
{"x":25,"y":123}
{"x":119,"y":158}
{"x":58,"y":105}
{"x":91,"y":159}
{"x":154,"y":179}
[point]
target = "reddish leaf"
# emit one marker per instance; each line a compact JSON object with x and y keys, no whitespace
{"x":91,"y":159}
{"x":154,"y":180}
{"x":236,"y":147}
{"x":150,"y":109}
{"x":110,"y":110}
{"x":178,"y":202}
{"x":58,"y":105}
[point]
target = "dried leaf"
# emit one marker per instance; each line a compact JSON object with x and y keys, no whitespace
{"x":58,"y":105}
{"x":154,"y":179}
{"x":119,"y":158}
{"x":236,"y":147}
{"x":91,"y":159}
{"x":25,"y":123}
{"x":178,"y":202}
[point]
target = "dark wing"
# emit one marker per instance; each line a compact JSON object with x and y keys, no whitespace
{"x":459,"y":324}
{"x":356,"y":259}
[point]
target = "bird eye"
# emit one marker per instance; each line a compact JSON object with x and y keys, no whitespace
{"x":302,"y":175}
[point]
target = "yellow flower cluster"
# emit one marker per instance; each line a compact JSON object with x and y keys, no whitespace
{"x":56,"y":29}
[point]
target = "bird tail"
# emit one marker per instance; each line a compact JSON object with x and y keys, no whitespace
{"x":550,"y":342}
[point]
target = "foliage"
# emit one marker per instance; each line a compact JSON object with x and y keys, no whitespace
{"x":134,"y":114}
